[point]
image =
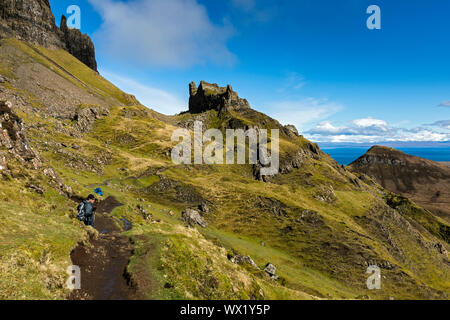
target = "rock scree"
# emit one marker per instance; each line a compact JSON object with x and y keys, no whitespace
{"x":104,"y":260}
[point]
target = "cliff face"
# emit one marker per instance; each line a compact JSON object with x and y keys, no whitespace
{"x":33,"y":21}
{"x":212,"y":97}
{"x":79,"y":45}
{"x":30,"y":20}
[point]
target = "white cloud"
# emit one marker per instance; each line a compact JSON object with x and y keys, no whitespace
{"x":445,"y":104}
{"x":302,"y":112}
{"x":370,"y":122}
{"x":442,"y":123}
{"x":174,"y":33}
{"x":154,"y":98}
{"x":371,"y":130}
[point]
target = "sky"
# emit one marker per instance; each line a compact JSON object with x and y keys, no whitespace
{"x":311,"y":63}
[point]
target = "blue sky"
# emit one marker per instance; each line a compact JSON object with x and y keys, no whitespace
{"x":311,"y":63}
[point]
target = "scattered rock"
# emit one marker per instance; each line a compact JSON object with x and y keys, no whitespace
{"x":441,"y":248}
{"x":57,"y":182}
{"x":87,"y":115}
{"x":145,"y":214}
{"x":36,"y":188}
{"x":171,"y":213}
{"x":191,"y":217}
{"x":382,"y":264}
{"x":325,"y":194}
{"x":271,"y":270}
{"x":309,"y":216}
{"x":204,"y":207}
{"x":13,"y":137}
{"x":242,"y":260}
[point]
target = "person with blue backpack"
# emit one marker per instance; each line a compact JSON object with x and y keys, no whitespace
{"x":86,"y":211}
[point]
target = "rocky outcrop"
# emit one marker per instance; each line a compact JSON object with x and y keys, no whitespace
{"x":192,"y":218}
{"x":212,"y":97}
{"x":13,"y":138}
{"x":86,"y":116}
{"x":291,"y":130}
{"x":79,"y":45}
{"x":33,"y":21}
{"x":237,"y":258}
{"x":29,"y":20}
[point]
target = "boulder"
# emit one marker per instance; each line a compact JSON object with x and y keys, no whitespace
{"x":270,"y":269}
{"x":242,"y":260}
{"x":204,"y":207}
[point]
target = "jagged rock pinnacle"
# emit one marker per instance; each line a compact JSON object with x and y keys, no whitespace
{"x":212,"y":97}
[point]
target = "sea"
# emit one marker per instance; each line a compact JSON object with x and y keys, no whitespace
{"x":346,"y":155}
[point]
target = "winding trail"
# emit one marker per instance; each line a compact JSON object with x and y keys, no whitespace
{"x":103,"y":262}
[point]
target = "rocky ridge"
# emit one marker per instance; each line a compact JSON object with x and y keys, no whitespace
{"x":212,"y":97}
{"x":33,"y":21}
{"x":424,"y":181}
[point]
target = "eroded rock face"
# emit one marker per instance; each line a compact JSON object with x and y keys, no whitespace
{"x":13,"y":138}
{"x":212,"y":97}
{"x":30,"y":20}
{"x":33,"y":21}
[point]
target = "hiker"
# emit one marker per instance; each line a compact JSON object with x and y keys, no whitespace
{"x":86,"y":211}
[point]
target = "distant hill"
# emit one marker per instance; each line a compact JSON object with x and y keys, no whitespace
{"x":197,"y":231}
{"x":424,"y":181}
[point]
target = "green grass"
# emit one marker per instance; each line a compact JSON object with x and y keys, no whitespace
{"x":324,"y":257}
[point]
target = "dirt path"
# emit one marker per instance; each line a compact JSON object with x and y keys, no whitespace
{"x":104,"y":262}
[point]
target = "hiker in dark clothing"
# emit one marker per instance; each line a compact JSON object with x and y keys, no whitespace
{"x":86,"y":211}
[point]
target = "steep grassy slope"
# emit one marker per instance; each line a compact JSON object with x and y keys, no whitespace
{"x":319,"y":224}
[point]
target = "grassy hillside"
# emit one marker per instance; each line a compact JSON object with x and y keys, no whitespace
{"x":319,"y":224}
